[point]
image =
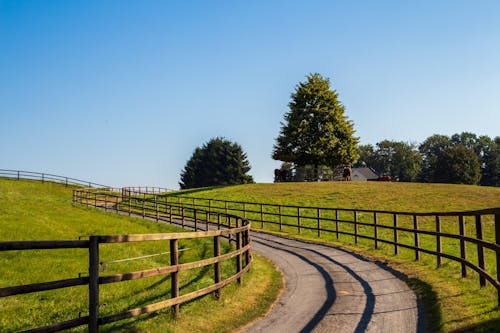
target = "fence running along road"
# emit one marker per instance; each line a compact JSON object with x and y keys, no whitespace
{"x":233,"y":228}
{"x":46,"y":177}
{"x":457,"y":236}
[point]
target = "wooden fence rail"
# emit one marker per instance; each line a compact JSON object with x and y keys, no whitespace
{"x":232,"y":227}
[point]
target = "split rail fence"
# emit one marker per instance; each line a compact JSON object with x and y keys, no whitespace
{"x":470,"y":238}
{"x":233,"y":228}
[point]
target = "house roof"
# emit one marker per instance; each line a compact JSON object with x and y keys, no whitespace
{"x":366,"y":172}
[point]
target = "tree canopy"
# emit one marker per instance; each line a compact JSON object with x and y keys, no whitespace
{"x":217,"y":162}
{"x":316,"y":131}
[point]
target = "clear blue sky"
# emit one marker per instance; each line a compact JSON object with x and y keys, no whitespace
{"x":121,"y":92}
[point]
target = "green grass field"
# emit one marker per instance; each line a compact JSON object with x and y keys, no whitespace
{"x":454,"y":303}
{"x":30,"y":210}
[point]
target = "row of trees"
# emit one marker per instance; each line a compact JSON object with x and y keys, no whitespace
{"x":317,"y":134}
{"x":460,"y":159}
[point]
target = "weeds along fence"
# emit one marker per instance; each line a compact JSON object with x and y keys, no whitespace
{"x":231,"y":227}
{"x":46,"y":177}
{"x":466,"y":241}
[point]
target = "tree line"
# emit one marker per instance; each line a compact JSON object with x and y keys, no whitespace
{"x":316,"y":134}
{"x":464,"y":158}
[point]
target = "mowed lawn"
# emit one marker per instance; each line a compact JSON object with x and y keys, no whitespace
{"x":454,"y":303}
{"x":31,"y":210}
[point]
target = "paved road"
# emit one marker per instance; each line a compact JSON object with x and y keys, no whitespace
{"x":331,"y":290}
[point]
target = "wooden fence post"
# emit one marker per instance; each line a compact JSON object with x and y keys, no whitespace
{"x":174,"y":276}
{"x":217,"y":271}
{"x":337,"y":223}
{"x":261,"y":217}
{"x":218,"y":221}
{"x":438,"y":240}
{"x":497,"y":240}
{"x":416,"y":238}
{"x":318,"y":213}
{"x":395,"y":222}
{"x":143,"y":205}
{"x":281,"y":217}
{"x":355,"y":227}
{"x":375,"y":230}
{"x":480,"y":249}
{"x":463,"y":253}
{"x":238,"y":257}
{"x":156,"y":208}
{"x":182,"y":216}
{"x":93,"y":325}
{"x":195,"y":220}
{"x":298,"y":220}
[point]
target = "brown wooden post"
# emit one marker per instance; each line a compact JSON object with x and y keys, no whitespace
{"x":415,"y":231}
{"x":129,"y":204}
{"x":480,"y":249}
{"x":156,"y":208}
{"x":143,"y":205}
{"x":375,"y":230}
{"x":238,"y":257}
{"x":298,"y":220}
{"x":174,"y":276}
{"x":355,"y":227}
{"x":337,"y":223}
{"x":207,"y":220}
{"x":225,"y":205}
{"x":218,"y":221}
{"x":182,"y":216}
{"x":217,"y":271}
{"x":438,"y":240}
{"x":195,"y":220}
{"x":497,"y":240}
{"x":395,"y":221}
{"x":463,"y":253}
{"x":93,"y":325}
{"x":95,"y":199}
{"x":244,"y":210}
{"x":261,"y":217}
{"x":170,"y":214}
{"x":281,"y":217}
{"x":318,"y":213}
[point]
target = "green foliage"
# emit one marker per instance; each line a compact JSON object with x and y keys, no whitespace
{"x":400,"y":160}
{"x":217,"y":162}
{"x":457,"y":165}
{"x":316,"y":131}
{"x":431,"y":149}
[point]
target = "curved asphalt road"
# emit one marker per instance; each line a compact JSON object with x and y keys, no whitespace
{"x":330,"y":290}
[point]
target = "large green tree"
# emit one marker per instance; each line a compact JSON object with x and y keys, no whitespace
{"x":217,"y":162}
{"x":316,"y":131}
{"x":457,"y":164}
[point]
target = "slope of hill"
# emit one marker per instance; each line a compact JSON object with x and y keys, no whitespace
{"x":31,"y":210}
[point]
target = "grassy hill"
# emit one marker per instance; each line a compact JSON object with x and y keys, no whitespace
{"x":454,"y":303}
{"x":31,"y":210}
{"x":413,"y":197}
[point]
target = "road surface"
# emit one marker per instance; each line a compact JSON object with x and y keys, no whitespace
{"x":331,"y":290}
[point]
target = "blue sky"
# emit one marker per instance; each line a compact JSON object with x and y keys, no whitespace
{"x":121,"y":92}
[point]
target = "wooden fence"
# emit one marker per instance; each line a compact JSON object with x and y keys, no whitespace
{"x":457,"y":236}
{"x":232,"y":227}
{"x":46,"y":177}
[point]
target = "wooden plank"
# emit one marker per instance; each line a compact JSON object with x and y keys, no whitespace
{"x":35,"y":287}
{"x":44,"y":245}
